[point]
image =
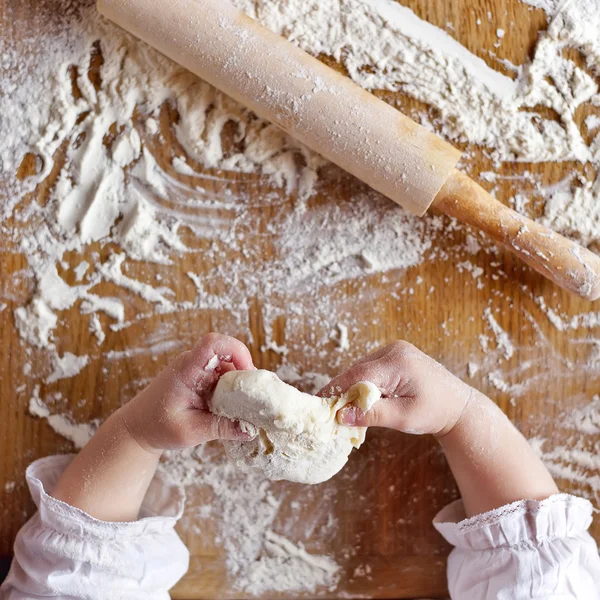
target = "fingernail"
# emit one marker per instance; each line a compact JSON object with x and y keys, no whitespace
{"x":246,"y":431}
{"x":350,"y":415}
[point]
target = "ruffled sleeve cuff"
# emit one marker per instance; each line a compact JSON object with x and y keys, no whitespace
{"x":64,"y":552}
{"x":161,"y":509}
{"x":523,"y":522}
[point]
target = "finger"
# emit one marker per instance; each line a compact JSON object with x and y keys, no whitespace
{"x":384,"y":368}
{"x":205,"y":427}
{"x":225,"y":367}
{"x":387,"y":412}
{"x":225,"y":348}
{"x":381,"y":371}
{"x":201,"y":367}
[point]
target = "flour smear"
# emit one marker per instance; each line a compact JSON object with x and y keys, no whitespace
{"x":86,"y":108}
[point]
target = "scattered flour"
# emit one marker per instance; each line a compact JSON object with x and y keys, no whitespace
{"x":343,"y":341}
{"x":503,"y":341}
{"x":587,"y":320}
{"x":108,"y":188}
{"x":472,"y":369}
{"x":66,"y":366}
{"x":294,"y":568}
{"x":78,"y":433}
{"x":577,"y":459}
{"x":258,"y":558}
{"x":96,"y":328}
{"x":111,"y":187}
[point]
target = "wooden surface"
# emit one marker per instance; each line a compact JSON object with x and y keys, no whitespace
{"x":385,"y":499}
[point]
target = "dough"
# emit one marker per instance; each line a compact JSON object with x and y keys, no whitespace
{"x":298,"y":436}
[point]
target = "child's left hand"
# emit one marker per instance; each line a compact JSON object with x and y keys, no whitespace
{"x":172,"y":412}
{"x":109,"y":478}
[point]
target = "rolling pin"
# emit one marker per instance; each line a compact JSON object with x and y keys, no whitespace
{"x":349,"y":126}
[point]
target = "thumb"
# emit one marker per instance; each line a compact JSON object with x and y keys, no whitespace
{"x":353,"y":416}
{"x":206,"y":427}
{"x":388,"y":412}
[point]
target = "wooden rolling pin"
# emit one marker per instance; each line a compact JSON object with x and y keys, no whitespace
{"x":346,"y":124}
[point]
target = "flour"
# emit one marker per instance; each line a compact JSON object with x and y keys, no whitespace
{"x":36,"y":323}
{"x":116,"y":193}
{"x":502,"y":340}
{"x":574,"y":24}
{"x":295,"y":567}
{"x":576,"y":462}
{"x":78,"y":433}
{"x":81,"y":269}
{"x":66,"y":366}
{"x":245,"y":505}
{"x":96,"y":328}
{"x":587,"y":320}
{"x":476,"y":103}
{"x":343,"y":341}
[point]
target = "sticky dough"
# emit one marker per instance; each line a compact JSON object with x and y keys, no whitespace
{"x":298,"y":436}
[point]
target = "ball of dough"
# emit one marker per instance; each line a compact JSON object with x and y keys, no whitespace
{"x":298,"y":437}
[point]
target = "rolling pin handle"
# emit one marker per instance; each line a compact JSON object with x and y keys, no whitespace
{"x":561,"y":260}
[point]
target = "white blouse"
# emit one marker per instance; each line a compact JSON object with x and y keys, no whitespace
{"x":526,"y":550}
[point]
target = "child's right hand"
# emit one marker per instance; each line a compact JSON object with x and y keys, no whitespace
{"x":492,"y":462}
{"x":418,"y":394}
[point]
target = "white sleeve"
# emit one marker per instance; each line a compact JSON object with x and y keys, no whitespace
{"x":62,"y":552}
{"x":523,"y":551}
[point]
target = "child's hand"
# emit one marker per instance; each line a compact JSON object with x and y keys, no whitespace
{"x":172,"y":412}
{"x":109,"y":478}
{"x":418,"y":394}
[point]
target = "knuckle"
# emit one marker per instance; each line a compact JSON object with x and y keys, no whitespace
{"x":400,"y":347}
{"x":403,"y":354}
{"x":180,"y":358}
{"x":173,"y":369}
{"x":182,"y":438}
{"x":360,"y":372}
{"x":219,"y":427}
{"x":373,"y":418}
{"x":177,"y":435}
{"x":210,"y":337}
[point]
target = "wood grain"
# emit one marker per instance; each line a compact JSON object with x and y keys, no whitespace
{"x":391,"y":489}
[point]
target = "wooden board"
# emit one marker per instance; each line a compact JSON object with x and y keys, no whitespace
{"x":385,"y":499}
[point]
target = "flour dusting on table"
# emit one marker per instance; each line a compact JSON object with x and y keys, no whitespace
{"x":86,"y":108}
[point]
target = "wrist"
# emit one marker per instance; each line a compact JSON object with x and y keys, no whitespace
{"x":459,"y":415}
{"x":109,"y":478}
{"x":130,"y":430}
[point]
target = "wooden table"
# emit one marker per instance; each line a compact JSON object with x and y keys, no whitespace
{"x":384,"y":501}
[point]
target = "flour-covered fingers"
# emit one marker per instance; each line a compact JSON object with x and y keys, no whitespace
{"x":386,"y":368}
{"x":382,"y":372}
{"x":173,"y":411}
{"x":418,"y":394}
{"x":214,"y":354}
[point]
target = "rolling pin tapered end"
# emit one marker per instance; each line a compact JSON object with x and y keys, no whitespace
{"x":563,"y":261}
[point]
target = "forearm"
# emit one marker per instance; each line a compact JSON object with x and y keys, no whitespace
{"x":491,"y":461}
{"x":109,"y":478}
